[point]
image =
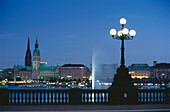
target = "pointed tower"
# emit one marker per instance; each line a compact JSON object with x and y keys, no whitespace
{"x":28,"y":60}
{"x":36,"y":56}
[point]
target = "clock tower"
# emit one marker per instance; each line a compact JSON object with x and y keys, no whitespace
{"x":36,"y":56}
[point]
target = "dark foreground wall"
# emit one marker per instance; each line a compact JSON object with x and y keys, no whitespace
{"x":78,"y":97}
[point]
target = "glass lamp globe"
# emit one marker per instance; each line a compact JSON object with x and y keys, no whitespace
{"x":113,"y":32}
{"x":125,"y":31}
{"x":119,"y":33}
{"x":132,"y":33}
{"x":122,"y":21}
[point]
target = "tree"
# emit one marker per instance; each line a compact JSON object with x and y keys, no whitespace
{"x":52,"y":79}
{"x":1,"y":78}
{"x":87,"y":81}
{"x":79,"y":80}
{"x":18,"y":79}
{"x":10,"y":78}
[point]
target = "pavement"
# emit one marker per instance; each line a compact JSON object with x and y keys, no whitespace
{"x":86,"y":108}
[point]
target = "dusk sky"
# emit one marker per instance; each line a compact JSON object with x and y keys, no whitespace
{"x":69,"y":31}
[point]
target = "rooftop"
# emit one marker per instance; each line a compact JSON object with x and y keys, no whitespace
{"x":162,"y":65}
{"x":139,"y":66}
{"x":73,"y":65}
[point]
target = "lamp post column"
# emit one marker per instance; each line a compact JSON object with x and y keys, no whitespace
{"x":122,"y":54}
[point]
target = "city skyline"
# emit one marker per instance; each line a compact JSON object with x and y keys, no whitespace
{"x":69,"y":31}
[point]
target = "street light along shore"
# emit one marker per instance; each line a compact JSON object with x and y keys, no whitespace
{"x":122,"y":90}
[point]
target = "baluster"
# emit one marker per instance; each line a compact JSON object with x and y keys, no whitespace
{"x":160,"y":97}
{"x":142,"y":95}
{"x":33,"y":97}
{"x":61,"y":97}
{"x":10,"y":97}
{"x":157,"y":97}
{"x":105,"y":97}
{"x":152,"y":99}
{"x":99,"y":96}
{"x":47,"y":95}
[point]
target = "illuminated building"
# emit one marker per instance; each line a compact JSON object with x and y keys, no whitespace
{"x":140,"y":71}
{"x":48,"y":72}
{"x":161,"y":71}
{"x":25,"y":73}
{"x":74,"y":71}
{"x":9,"y":72}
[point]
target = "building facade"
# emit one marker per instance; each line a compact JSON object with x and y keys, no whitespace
{"x":161,"y":71}
{"x":48,"y":72}
{"x":74,"y":71}
{"x":7,"y":73}
{"x":25,"y":73}
{"x":140,"y":71}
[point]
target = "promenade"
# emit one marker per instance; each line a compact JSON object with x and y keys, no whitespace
{"x":85,"y":108}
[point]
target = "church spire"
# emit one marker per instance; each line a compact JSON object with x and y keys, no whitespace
{"x":28,"y":61}
{"x":36,"y":43}
{"x":28,"y":45}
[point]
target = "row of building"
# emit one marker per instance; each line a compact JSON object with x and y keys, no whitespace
{"x":158,"y":70}
{"x":67,"y":72}
{"x":41,"y":71}
{"x":103,"y":73}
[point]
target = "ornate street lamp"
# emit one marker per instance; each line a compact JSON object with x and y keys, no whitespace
{"x":122,"y":90}
{"x":123,"y":35}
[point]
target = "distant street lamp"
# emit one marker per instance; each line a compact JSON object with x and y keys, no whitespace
{"x":122,"y":90}
{"x":123,"y":35}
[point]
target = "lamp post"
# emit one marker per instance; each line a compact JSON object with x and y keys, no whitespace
{"x":123,"y":35}
{"x":122,"y":90}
